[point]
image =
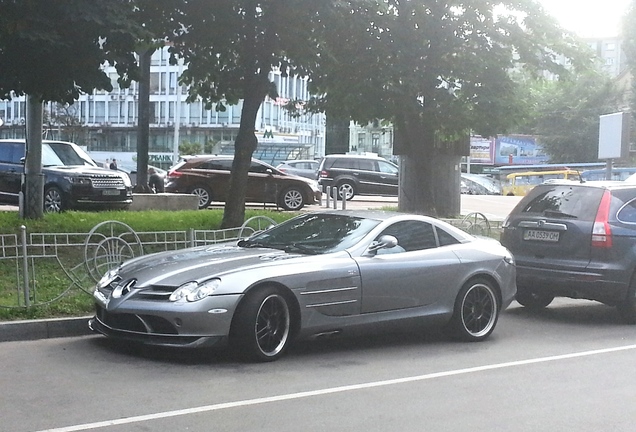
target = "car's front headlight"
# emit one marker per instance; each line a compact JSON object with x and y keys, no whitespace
{"x":127,"y":181}
{"x":79,"y":180}
{"x":193,"y":291}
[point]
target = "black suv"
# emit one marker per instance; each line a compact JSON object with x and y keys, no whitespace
{"x":71,"y":179}
{"x":575,"y":240}
{"x":358,"y":175}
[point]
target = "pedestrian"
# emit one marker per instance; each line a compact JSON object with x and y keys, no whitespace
{"x":113,"y":164}
{"x":155,"y":181}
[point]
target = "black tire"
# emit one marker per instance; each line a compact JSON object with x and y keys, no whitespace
{"x":262,"y":327}
{"x":476,"y":311}
{"x":292,"y":199}
{"x":346,"y":190}
{"x":533,"y":301}
{"x":53,"y":200}
{"x":205,"y":196}
{"x":627,"y":309}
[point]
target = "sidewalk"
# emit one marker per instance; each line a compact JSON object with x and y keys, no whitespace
{"x":11,"y":331}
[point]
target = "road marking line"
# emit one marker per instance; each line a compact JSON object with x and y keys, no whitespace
{"x":341,"y":389}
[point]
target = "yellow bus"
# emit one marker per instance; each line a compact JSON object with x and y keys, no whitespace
{"x":520,"y":183}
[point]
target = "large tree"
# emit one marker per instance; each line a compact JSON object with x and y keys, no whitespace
{"x":230,"y":47}
{"x":629,"y":47}
{"x":54,"y":51}
{"x":566,"y":114}
{"x":439,"y":70}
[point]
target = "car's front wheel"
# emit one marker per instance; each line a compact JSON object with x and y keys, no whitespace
{"x":292,"y":199}
{"x":204,"y":194}
{"x":532,"y":300}
{"x":53,"y":200}
{"x":476,"y":311}
{"x":261,"y":327}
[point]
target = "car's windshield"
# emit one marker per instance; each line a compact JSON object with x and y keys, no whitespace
{"x":70,"y":155}
{"x":314,"y":233}
{"x":49,"y":157}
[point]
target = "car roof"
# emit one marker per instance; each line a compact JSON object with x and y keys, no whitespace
{"x":600,"y":184}
{"x":354,"y":156}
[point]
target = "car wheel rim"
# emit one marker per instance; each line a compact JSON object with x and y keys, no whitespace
{"x":479,"y":310}
{"x":203,"y":195}
{"x":272,"y":325}
{"x":53,"y":202}
{"x":346,"y":191}
{"x":293,"y":199}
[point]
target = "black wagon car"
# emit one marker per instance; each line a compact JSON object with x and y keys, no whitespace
{"x":358,"y":175}
{"x":208,"y":177}
{"x":575,"y":240}
{"x":72,"y":180}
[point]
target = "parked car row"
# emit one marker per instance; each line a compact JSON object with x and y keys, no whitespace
{"x":72,"y":180}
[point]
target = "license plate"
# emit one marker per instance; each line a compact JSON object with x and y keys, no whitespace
{"x":110,"y":192}
{"x":548,"y":236}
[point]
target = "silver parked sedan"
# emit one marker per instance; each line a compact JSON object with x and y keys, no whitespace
{"x":317,"y":274}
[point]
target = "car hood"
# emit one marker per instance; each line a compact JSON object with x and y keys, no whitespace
{"x":84,"y":170}
{"x":174,"y":268}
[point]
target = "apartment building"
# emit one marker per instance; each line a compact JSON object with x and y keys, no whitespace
{"x":105,"y":123}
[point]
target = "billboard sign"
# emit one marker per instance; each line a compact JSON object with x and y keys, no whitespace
{"x":518,"y":150}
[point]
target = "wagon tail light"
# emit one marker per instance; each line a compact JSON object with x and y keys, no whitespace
{"x":174,"y":174}
{"x":601,"y":231}
{"x":324,"y":173}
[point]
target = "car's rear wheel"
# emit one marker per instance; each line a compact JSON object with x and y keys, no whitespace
{"x":204,"y":194}
{"x":292,"y":199}
{"x":261,"y":327}
{"x":476,"y":311}
{"x":627,"y":309}
{"x":346,"y":190}
{"x":532,"y":300}
{"x":53,"y":200}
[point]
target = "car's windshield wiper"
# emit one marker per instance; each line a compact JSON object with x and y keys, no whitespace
{"x":556,"y":213}
{"x":252,"y":244}
{"x":294,"y":247}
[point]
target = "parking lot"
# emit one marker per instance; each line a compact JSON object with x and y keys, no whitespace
{"x":566,"y":368}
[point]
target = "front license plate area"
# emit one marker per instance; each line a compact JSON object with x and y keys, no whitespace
{"x":110,"y":192}
{"x":540,"y":235}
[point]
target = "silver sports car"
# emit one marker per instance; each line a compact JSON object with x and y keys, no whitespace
{"x":317,"y":274}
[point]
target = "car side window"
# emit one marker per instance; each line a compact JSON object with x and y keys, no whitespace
{"x":412,"y":235}
{"x":11,"y":153}
{"x":627,"y":213}
{"x":386,"y":167}
{"x":343,"y":163}
{"x":367,"y":165}
{"x":445,"y":238}
{"x":223,"y":165}
{"x":255,"y":167}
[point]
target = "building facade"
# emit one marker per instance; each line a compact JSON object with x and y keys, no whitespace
{"x":105,"y":123}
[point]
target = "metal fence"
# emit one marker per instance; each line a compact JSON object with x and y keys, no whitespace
{"x":83,"y":258}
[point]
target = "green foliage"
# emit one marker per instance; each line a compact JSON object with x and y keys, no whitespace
{"x":629,"y":48}
{"x":566,"y":114}
{"x":56,"y":49}
{"x":190,"y":148}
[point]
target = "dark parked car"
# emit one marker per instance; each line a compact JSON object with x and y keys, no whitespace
{"x":575,"y":240}
{"x":358,"y":175}
{"x":208,"y":177}
{"x":72,"y":180}
{"x":304,"y":168}
{"x":321,"y":273}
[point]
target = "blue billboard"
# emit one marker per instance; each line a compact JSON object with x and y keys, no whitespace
{"x":518,"y":150}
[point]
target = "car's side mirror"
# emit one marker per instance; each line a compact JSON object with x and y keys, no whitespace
{"x":384,"y":242}
{"x":269,"y":171}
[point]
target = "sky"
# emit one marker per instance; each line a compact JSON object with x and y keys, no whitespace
{"x":588,"y":18}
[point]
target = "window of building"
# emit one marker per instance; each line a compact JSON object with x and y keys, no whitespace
{"x":154,"y":83}
{"x":610,"y":46}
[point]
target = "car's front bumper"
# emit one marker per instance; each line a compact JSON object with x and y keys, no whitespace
{"x":199,"y":324}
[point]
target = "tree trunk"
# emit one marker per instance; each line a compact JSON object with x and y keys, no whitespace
{"x":33,"y":200}
{"x":336,"y":135}
{"x":430,"y":172}
{"x":143,"y":122}
{"x":429,"y":184}
{"x":244,"y":147}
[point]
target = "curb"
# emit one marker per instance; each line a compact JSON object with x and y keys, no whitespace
{"x":12,"y":331}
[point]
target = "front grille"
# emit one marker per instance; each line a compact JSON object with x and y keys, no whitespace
{"x":135,"y":323}
{"x":107,"y":182}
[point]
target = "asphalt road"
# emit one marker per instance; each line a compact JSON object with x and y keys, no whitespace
{"x":568,"y":368}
